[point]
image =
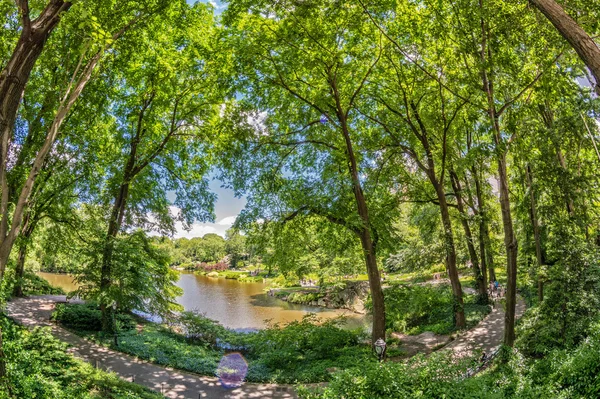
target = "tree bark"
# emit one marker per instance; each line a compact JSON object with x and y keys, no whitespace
{"x":365,"y":233}
{"x":510,"y":241}
{"x":26,"y":232}
{"x":367,"y":245}
{"x":19,"y":271}
{"x":13,"y":79}
{"x":485,"y":249}
{"x":458,"y":305}
{"x":479,"y":277}
{"x":577,"y":37}
{"x":536,"y":232}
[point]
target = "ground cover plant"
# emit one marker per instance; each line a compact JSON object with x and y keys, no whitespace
{"x":413,"y":309}
{"x":38,"y":367}
{"x":301,"y":351}
{"x":562,"y":374}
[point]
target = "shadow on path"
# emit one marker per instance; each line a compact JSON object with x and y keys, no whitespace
{"x":487,"y":335}
{"x":36,"y":311}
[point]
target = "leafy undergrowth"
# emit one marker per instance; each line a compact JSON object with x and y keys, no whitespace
{"x":304,"y":351}
{"x":36,"y":285}
{"x":32,"y":284}
{"x":38,"y":367}
{"x":414,"y":309}
{"x":562,"y":374}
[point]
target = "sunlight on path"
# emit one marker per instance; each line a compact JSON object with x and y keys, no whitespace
{"x":36,"y":311}
{"x":487,"y":335}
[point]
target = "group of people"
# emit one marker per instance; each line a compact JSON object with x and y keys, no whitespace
{"x":495,"y":290}
{"x":308,"y":283}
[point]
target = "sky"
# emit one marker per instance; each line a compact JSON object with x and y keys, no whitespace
{"x":227,"y":207}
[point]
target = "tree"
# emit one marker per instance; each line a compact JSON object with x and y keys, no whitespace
{"x":418,"y":122}
{"x":578,"y":38}
{"x":235,"y":246}
{"x":213,"y":246}
{"x":163,"y":101}
{"x":301,"y":70}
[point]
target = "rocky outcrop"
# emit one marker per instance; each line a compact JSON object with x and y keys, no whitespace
{"x":352,"y":296}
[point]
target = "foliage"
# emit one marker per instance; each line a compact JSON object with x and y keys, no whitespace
{"x":32,"y":285}
{"x":143,"y":279}
{"x":302,"y":351}
{"x":571,"y":304}
{"x":199,"y":329}
{"x":39,"y":367}
{"x":413,"y":309}
{"x":433,"y":377}
{"x":87,"y":317}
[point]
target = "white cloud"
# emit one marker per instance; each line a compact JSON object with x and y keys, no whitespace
{"x":228,"y":221}
{"x":198,"y":230}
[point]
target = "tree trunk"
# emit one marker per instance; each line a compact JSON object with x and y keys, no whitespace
{"x":19,"y":271}
{"x":479,"y":276}
{"x":26,"y":232}
{"x":583,"y":44}
{"x":510,"y":242}
{"x":459,"y":307}
{"x":365,"y":232}
{"x":114,"y":226}
{"x":536,"y":233}
{"x":375,"y":286}
{"x":13,"y":79}
{"x":485,"y":243}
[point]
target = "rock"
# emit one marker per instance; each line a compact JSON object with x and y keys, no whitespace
{"x":321,"y":302}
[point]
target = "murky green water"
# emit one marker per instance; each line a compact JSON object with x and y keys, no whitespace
{"x":233,"y":304}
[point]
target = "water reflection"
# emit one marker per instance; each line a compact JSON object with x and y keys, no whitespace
{"x":234,"y":304}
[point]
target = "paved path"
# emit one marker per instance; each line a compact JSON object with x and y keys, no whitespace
{"x":36,"y":311}
{"x":487,"y":335}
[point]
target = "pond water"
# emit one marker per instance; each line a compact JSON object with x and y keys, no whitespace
{"x":234,"y":304}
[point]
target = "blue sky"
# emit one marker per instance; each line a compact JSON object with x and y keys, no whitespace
{"x":218,"y":5}
{"x":227,"y":207}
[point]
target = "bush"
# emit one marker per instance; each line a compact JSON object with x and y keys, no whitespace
{"x":435,"y":377}
{"x":39,"y":367}
{"x":36,"y":285}
{"x":212,"y":267}
{"x":413,"y":309}
{"x":87,"y":317}
{"x":198,"y":328}
{"x":304,"y":351}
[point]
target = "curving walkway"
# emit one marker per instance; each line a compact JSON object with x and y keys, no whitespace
{"x":487,"y":335}
{"x":35,"y":311}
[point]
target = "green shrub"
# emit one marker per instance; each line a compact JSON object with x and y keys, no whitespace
{"x":200,"y":329}
{"x":435,"y":377}
{"x":36,"y":285}
{"x":87,"y":317}
{"x":413,"y":309}
{"x":304,"y":351}
{"x":39,"y":367}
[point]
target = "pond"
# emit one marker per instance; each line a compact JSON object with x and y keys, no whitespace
{"x":234,"y":304}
